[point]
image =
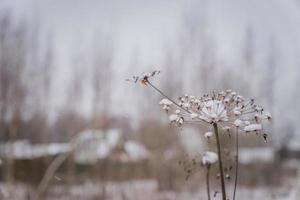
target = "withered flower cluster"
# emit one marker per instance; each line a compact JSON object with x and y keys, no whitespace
{"x":225,"y":109}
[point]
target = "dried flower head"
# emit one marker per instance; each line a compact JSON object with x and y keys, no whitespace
{"x":143,"y":77}
{"x":226,"y":108}
{"x":165,"y":103}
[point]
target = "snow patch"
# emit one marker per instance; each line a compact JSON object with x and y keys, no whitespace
{"x":253,"y":127}
{"x":209,"y":158}
{"x":136,"y":151}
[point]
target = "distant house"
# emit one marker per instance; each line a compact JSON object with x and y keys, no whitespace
{"x":105,"y":150}
{"x":111,"y":156}
{"x":91,"y":146}
{"x":29,"y":160}
{"x":94,"y":145}
{"x":23,"y":149}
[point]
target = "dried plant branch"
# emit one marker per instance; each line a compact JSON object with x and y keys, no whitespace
{"x":215,"y":125}
{"x":207,"y":182}
{"x":52,"y":168}
{"x":164,"y":95}
{"x":226,"y":109}
{"x":236,"y":163}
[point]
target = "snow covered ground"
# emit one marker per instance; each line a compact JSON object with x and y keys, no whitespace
{"x":145,"y":189}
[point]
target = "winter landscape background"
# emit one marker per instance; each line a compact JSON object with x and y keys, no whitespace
{"x":63,"y":65}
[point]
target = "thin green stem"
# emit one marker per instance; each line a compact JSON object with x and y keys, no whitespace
{"x":220,"y":161}
{"x":236,"y":163}
{"x":207,"y":182}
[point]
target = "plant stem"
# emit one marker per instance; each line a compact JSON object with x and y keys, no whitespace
{"x":236,"y":163}
{"x":220,"y":161}
{"x":52,"y":168}
{"x":164,"y":95}
{"x":207,"y":182}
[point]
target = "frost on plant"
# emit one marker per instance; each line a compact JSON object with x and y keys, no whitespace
{"x":223,"y":110}
{"x":208,"y":134}
{"x":209,"y":158}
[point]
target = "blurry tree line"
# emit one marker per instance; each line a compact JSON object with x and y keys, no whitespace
{"x":28,"y":73}
{"x":27,"y":76}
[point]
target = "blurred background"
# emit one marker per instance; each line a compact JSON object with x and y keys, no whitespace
{"x":63,"y":94}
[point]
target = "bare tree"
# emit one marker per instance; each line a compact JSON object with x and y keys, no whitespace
{"x":198,"y":46}
{"x":248,"y":58}
{"x":41,"y":88}
{"x":101,"y":80}
{"x":13,"y":59}
{"x":73,"y":111}
{"x":271,"y":70}
{"x":173,"y":71}
{"x":101,"y":72}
